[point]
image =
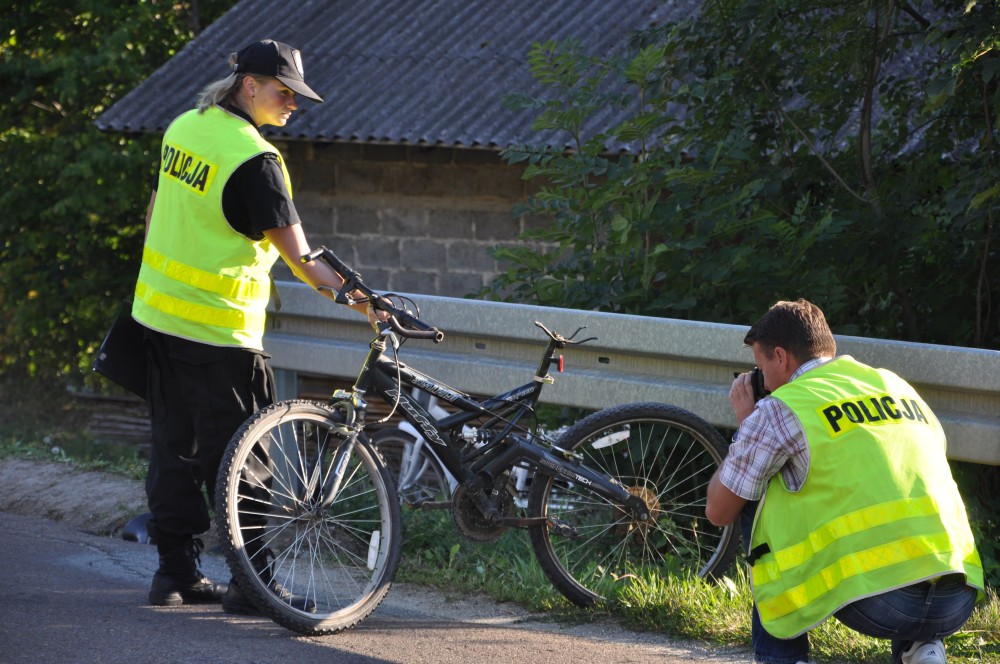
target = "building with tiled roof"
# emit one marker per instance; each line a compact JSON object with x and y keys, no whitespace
{"x":398,"y":170}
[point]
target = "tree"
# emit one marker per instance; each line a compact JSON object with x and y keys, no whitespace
{"x":841,"y":152}
{"x":73,"y":198}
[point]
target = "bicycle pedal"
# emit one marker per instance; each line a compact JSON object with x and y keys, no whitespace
{"x":559,"y":527}
{"x":415,"y":500}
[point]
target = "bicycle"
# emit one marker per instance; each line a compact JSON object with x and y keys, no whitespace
{"x":309,"y":518}
{"x":420,"y":476}
{"x":422,"y":480}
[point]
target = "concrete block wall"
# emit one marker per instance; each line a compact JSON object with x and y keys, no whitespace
{"x":410,"y":219}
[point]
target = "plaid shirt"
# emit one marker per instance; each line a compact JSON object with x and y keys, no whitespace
{"x":770,"y":440}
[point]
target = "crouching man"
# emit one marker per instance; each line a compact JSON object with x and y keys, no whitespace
{"x":847,"y":502}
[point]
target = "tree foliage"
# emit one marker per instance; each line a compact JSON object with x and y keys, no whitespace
{"x":73,"y":199}
{"x":842,"y":152}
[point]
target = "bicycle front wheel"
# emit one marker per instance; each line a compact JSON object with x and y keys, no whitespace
{"x":590,"y":547}
{"x":308,"y":518}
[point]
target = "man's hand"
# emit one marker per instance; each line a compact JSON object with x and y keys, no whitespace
{"x":741,"y":397}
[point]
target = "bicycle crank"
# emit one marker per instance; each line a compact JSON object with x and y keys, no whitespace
{"x":467,"y":513}
{"x":555,"y":525}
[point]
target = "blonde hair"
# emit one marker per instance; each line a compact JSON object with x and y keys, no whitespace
{"x":224,"y":90}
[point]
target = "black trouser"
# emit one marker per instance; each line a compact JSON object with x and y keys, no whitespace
{"x":199,"y":395}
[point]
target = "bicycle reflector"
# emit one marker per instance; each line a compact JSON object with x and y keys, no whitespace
{"x":562,"y":364}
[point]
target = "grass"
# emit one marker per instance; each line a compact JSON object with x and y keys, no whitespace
{"x":717,"y":614}
{"x":46,"y":424}
{"x":50,"y":427}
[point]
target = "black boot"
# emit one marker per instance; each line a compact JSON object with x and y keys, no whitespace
{"x":178,"y":580}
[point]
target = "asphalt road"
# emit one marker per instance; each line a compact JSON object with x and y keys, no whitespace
{"x":67,"y":596}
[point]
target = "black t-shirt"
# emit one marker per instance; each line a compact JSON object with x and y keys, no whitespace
{"x":255,"y":198}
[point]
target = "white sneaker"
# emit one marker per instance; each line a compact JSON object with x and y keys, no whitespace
{"x":924,"y":652}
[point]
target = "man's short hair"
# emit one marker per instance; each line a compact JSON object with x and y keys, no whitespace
{"x":799,"y":327}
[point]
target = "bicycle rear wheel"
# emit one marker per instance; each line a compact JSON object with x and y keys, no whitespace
{"x":418,"y":475}
{"x":313,"y":564}
{"x":663,"y":454}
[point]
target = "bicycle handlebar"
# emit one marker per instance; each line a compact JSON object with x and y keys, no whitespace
{"x":401,"y":322}
{"x":431,"y":333}
{"x":559,"y":341}
{"x":333,"y":260}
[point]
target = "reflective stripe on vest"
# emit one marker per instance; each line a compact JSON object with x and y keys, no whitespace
{"x":240,"y":289}
{"x":229,"y":319}
{"x":860,"y":520}
{"x":899,"y":521}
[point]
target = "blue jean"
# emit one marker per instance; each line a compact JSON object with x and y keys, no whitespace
{"x":922,"y":612}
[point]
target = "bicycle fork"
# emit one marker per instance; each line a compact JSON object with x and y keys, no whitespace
{"x":351,"y":408}
{"x":335,"y":478}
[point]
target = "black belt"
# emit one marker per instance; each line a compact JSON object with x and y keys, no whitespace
{"x":947,"y":580}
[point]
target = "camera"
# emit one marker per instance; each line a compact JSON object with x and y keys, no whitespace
{"x":757,"y":383}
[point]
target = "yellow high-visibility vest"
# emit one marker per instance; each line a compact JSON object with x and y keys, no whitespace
{"x":200,"y":279}
{"x":879,"y":509}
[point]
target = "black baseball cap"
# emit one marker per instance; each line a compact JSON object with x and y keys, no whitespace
{"x":273,"y":58}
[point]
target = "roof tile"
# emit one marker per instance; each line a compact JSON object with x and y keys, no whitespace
{"x":426,"y":72}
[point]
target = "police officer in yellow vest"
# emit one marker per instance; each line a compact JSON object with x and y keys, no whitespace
{"x":220,"y":215}
{"x":847,"y":501}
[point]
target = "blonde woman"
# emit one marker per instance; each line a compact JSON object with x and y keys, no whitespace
{"x":220,"y":215}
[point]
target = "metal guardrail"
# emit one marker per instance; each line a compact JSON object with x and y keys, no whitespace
{"x":491,"y":346}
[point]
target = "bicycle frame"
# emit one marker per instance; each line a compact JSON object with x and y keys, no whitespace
{"x":479,"y":467}
{"x":413,"y":460}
